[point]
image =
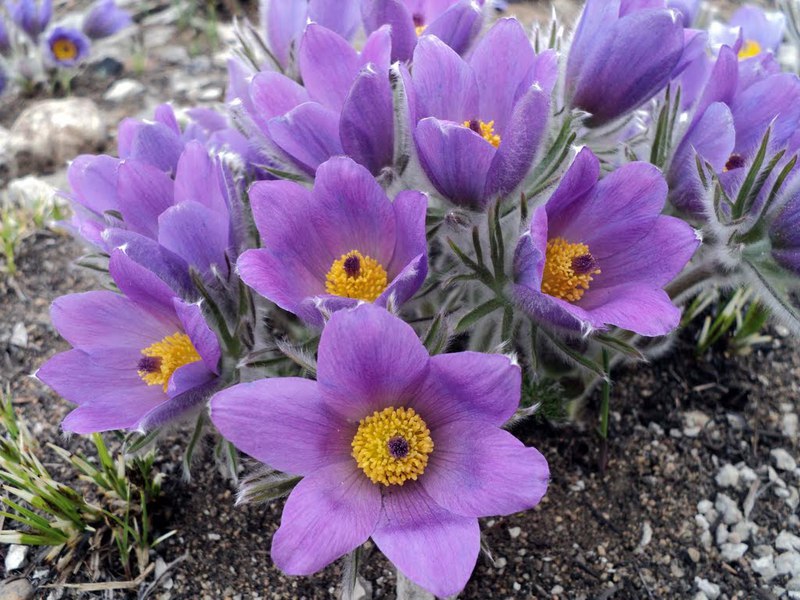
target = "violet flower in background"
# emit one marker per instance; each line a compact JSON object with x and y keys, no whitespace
{"x":3,"y":80}
{"x":455,"y":22}
{"x":760,"y":30}
{"x":481,"y":121}
{"x":5,"y":37}
{"x":32,"y":16}
{"x":623,"y":53}
{"x":139,"y":360}
{"x":342,"y":243}
{"x":600,"y":252}
{"x":393,"y":445}
{"x":784,"y":231}
{"x":104,"y":19}
{"x":687,"y":8}
{"x":66,"y":47}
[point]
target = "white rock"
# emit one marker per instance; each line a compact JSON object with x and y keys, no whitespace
{"x":514,"y":532}
{"x":706,"y":540}
{"x":783,"y":460}
{"x":788,"y":563}
{"x":747,"y":474}
{"x":15,"y":557}
{"x":700,"y":596}
{"x":794,"y":584}
{"x":727,"y":507}
{"x":787,"y":541}
{"x":694,"y":421}
{"x":704,"y":506}
{"x":765,"y":566}
{"x":124,"y":90}
{"x":744,"y":529}
{"x":789,"y":425}
{"x":732,"y":552}
{"x":728,"y":476}
{"x":30,"y":192}
{"x":701,"y":521}
{"x":722,"y":534}
{"x":711,"y":590}
{"x":19,"y":336}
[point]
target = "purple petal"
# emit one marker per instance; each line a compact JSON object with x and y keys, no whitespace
{"x":274,"y":94}
{"x":185,"y":379}
{"x":530,"y":253}
{"x":197,"y":179}
{"x":203,"y":339}
{"x":192,"y":394}
{"x":774,"y":101}
{"x":343,"y":17}
{"x":93,"y":180}
{"x":283,"y":423}
{"x":394,"y":13}
{"x":457,"y":26}
{"x":366,"y":127}
{"x":358,"y":372}
{"x":577,"y":182}
{"x":545,"y":70}
{"x":433,"y":547}
{"x":284,"y":22}
{"x":480,"y":471}
{"x":410,"y":209}
{"x":639,"y":307}
{"x":455,"y":159}
{"x":444,"y":84}
{"x":144,"y":193}
{"x":469,"y":385}
{"x":406,"y":283}
{"x":378,"y":49}
{"x":722,"y":82}
{"x":196,"y":234}
{"x":551,"y":310}
{"x":141,"y":285}
{"x":328,"y":64}
{"x":308,"y":133}
{"x":153,"y":143}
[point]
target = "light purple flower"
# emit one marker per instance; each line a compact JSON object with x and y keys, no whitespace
{"x":600,"y":252}
{"x":623,"y":53}
{"x":139,"y":360}
{"x":480,"y":123}
{"x":784,"y":231}
{"x":432,"y":423}
{"x":66,"y":47}
{"x":5,"y":39}
{"x":284,"y":22}
{"x":104,"y":19}
{"x":760,"y":31}
{"x":31,"y":16}
{"x":342,"y":243}
{"x":455,"y":22}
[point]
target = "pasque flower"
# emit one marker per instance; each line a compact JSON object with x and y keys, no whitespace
{"x":759,"y":30}
{"x":455,"y":22}
{"x":600,"y":252}
{"x":104,"y":19}
{"x":623,"y":53}
{"x":784,"y":230}
{"x":31,"y":16}
{"x":392,"y":444}
{"x":342,"y":243}
{"x":139,"y":360}
{"x":66,"y":46}
{"x":481,"y":122}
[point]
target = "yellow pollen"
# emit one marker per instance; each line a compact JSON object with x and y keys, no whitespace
{"x":356,"y":276}
{"x":392,"y":446}
{"x":64,"y":49}
{"x":486,"y":131}
{"x":749,"y":49}
{"x":168,"y":355}
{"x":420,"y":29}
{"x":559,"y":278}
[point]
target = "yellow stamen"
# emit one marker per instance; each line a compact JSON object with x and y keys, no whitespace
{"x":356,"y":276}
{"x":64,"y":49}
{"x":420,"y":29}
{"x":165,"y":357}
{"x":749,"y":49}
{"x":568,"y":269}
{"x":392,"y":446}
{"x":485,"y":130}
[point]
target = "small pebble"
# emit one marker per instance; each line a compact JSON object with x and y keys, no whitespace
{"x":732,"y":552}
{"x":694,"y":554}
{"x":16,"y":556}
{"x":711,"y":590}
{"x":514,"y":532}
{"x":782,"y":459}
{"x":765,"y":566}
{"x":788,"y":563}
{"x":728,"y":476}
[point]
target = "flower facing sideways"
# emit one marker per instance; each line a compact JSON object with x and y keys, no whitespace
{"x":392,"y":444}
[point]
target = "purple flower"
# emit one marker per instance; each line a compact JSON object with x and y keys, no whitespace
{"x":284,"y":22}
{"x":481,"y":122}
{"x":600,"y":252}
{"x":139,"y":360}
{"x":5,"y":39}
{"x":392,"y":444}
{"x":30,"y":16}
{"x":342,"y":243}
{"x":623,"y":54}
{"x":3,"y":80}
{"x":760,"y":31}
{"x":455,"y":22}
{"x":67,"y":47}
{"x":687,"y":8}
{"x":104,"y":19}
{"x":784,"y":231}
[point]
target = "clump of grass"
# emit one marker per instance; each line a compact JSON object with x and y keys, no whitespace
{"x":104,"y":516}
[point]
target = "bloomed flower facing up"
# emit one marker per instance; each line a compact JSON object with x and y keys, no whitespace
{"x":67,"y":47}
{"x":139,"y":360}
{"x":481,"y":120}
{"x":342,"y":243}
{"x":600,"y":252}
{"x":392,"y":444}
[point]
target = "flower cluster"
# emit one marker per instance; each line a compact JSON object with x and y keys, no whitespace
{"x":411,"y":216}
{"x":30,"y":44}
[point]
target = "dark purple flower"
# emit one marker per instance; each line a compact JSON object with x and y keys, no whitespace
{"x":31,"y":16}
{"x":342,"y":243}
{"x":784,"y":231}
{"x":623,"y":54}
{"x":66,"y":47}
{"x":455,"y":22}
{"x":480,"y":123}
{"x":600,"y":252}
{"x":139,"y":360}
{"x":3,"y":80}
{"x":104,"y":19}
{"x":5,"y":39}
{"x":392,"y":444}
{"x":284,"y":22}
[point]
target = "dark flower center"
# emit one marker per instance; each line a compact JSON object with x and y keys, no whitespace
{"x":149,"y":364}
{"x":398,"y":447}
{"x":736,"y":161}
{"x":584,"y":264}
{"x":419,"y":20}
{"x":475,"y":126}
{"x":352,"y":266}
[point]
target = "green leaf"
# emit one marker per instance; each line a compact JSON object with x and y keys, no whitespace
{"x":479,"y":313}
